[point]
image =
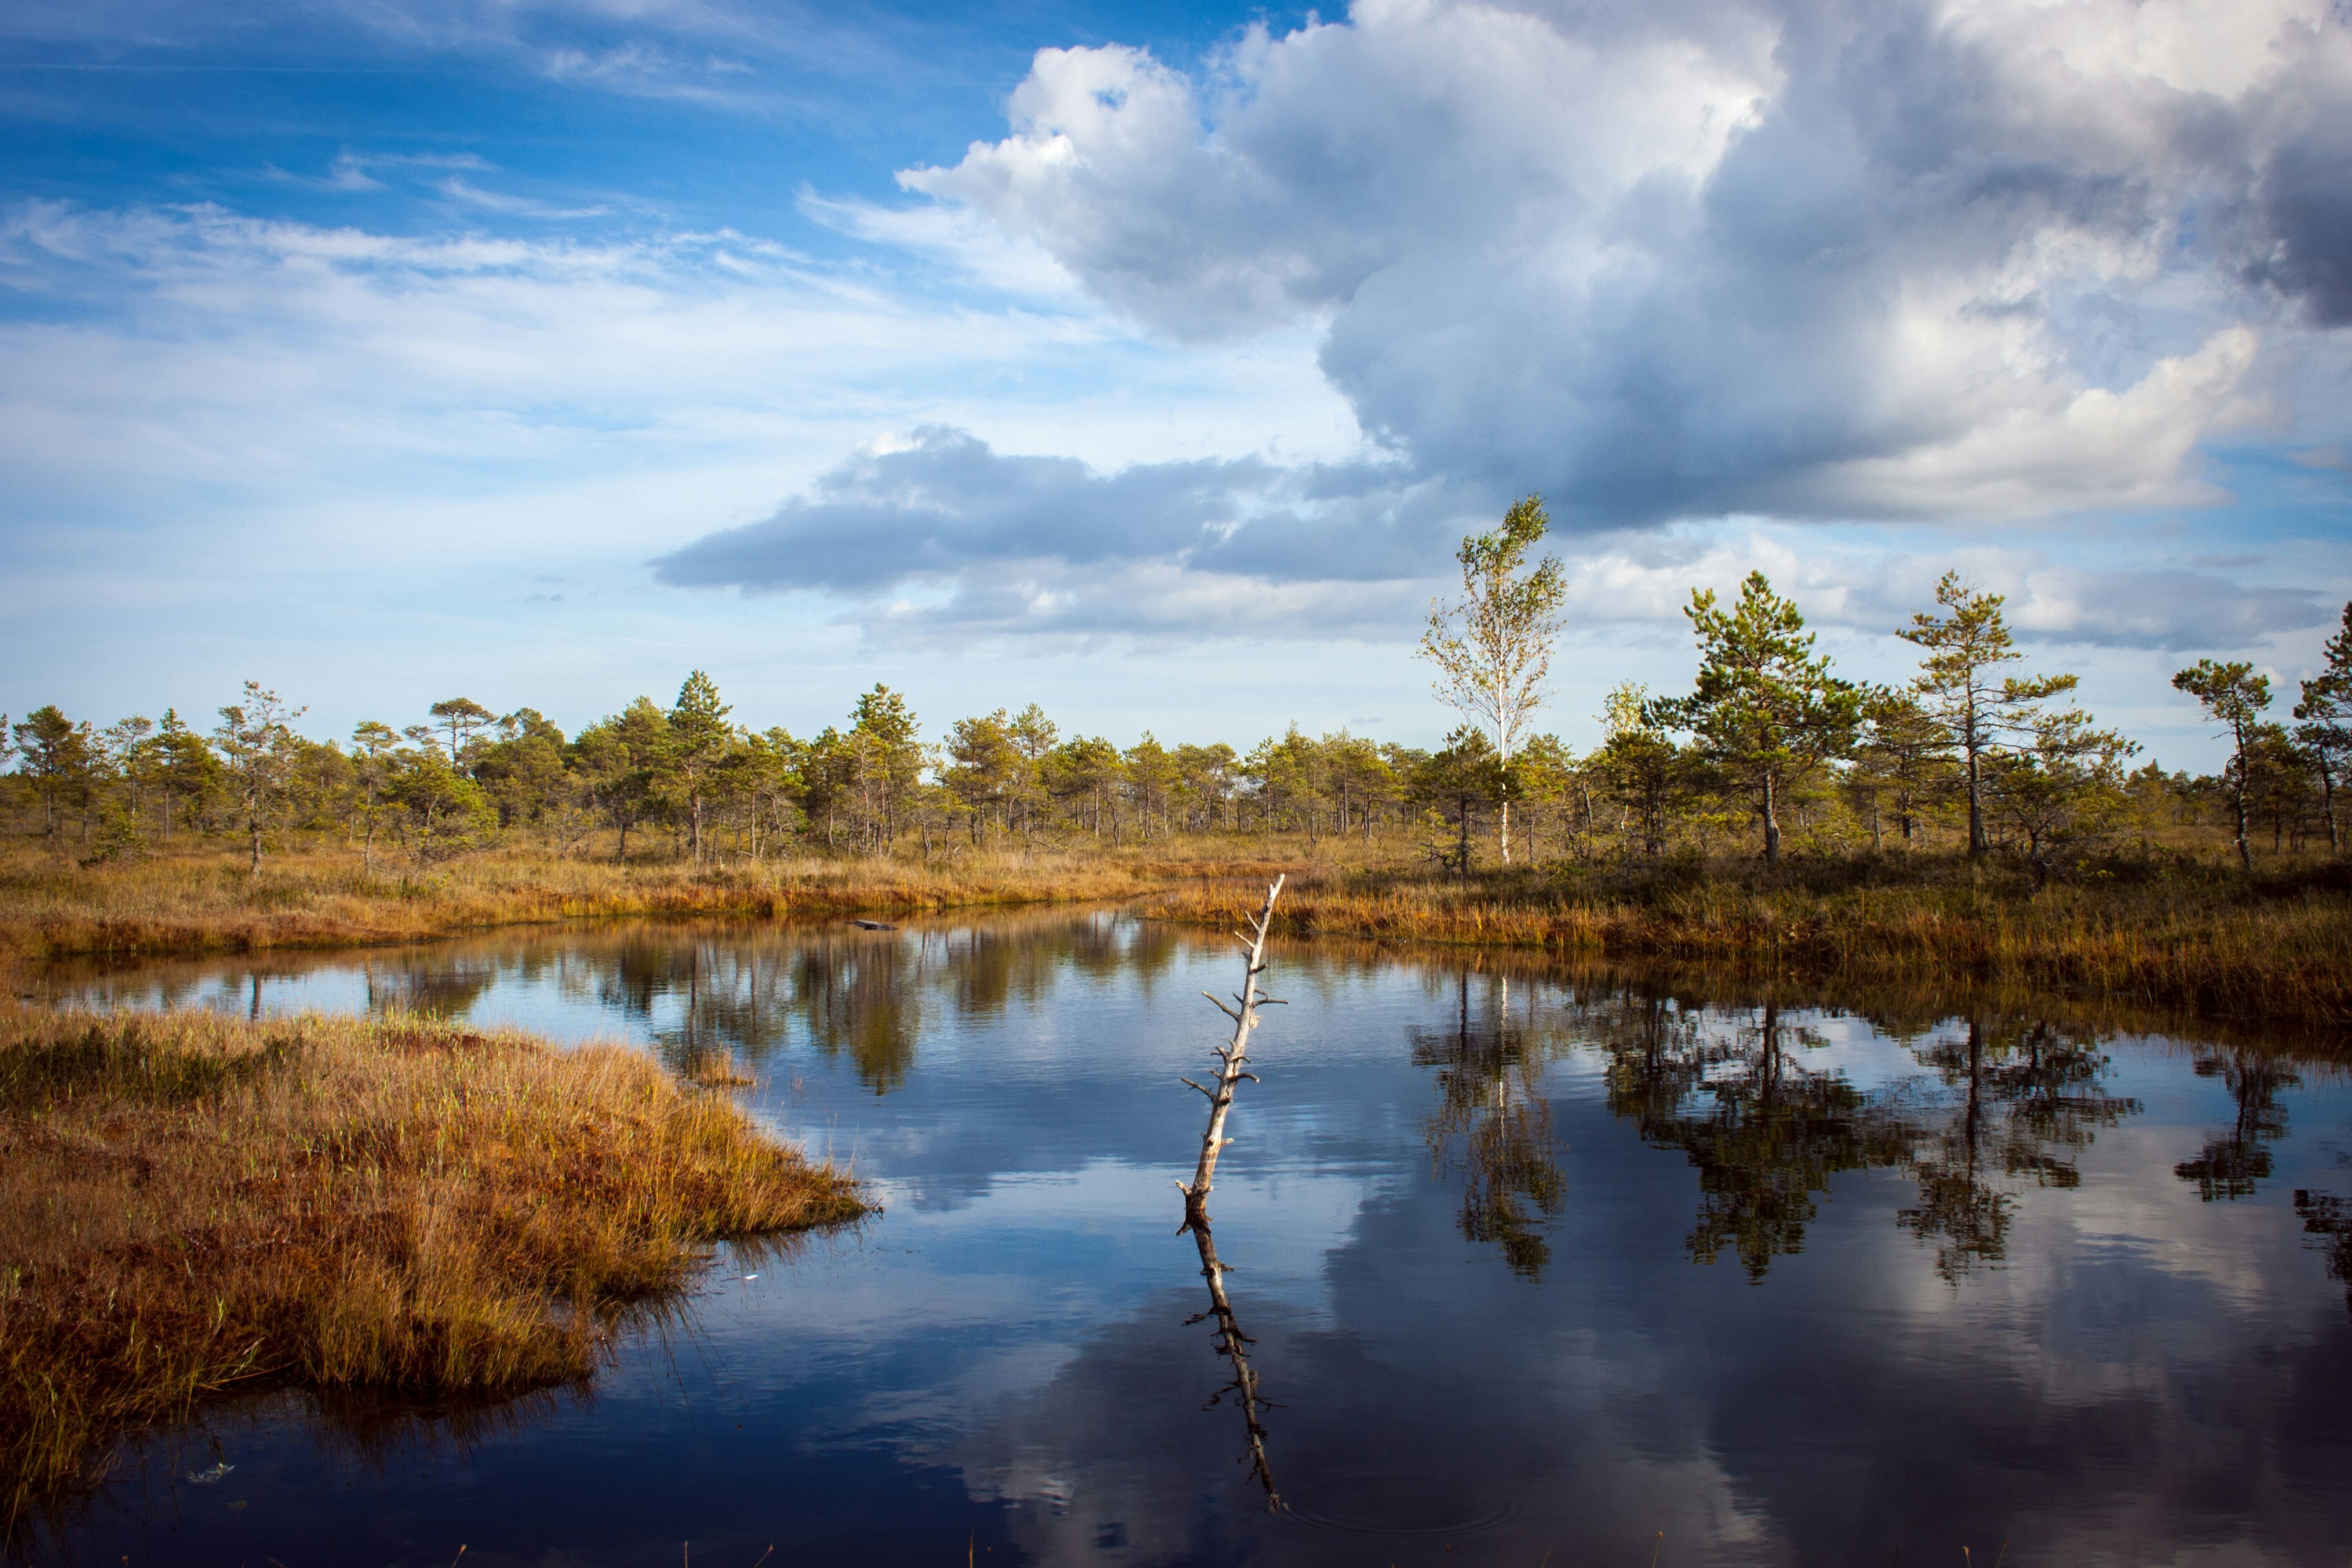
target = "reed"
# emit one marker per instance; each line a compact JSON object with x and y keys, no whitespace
{"x":191,"y":1203}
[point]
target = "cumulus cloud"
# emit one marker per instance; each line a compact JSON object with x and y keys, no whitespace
{"x":1940,"y":258}
{"x":1863,"y":586}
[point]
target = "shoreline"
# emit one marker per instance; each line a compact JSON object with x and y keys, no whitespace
{"x":2171,"y":932}
{"x":192,"y":1204}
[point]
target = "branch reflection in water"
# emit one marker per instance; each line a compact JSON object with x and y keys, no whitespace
{"x":1234,"y":1346}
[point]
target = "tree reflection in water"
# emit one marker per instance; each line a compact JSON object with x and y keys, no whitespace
{"x":1234,"y":1346}
{"x":867,"y":997}
{"x":2329,"y":1219}
{"x":1492,"y":1127}
{"x":440,"y":991}
{"x":1768,"y":1135}
{"x":2029,"y":1100}
{"x":2237,"y":1159}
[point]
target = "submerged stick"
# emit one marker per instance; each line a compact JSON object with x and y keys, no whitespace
{"x":1232,"y":1060}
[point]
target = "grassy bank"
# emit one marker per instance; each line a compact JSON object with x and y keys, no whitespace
{"x":2167,"y":929}
{"x":2170,"y":934}
{"x":190,"y":1203}
{"x":206,"y":900}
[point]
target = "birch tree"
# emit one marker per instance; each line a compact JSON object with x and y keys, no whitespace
{"x":1492,"y":645}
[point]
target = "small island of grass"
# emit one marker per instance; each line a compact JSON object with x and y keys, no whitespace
{"x":191,"y":1203}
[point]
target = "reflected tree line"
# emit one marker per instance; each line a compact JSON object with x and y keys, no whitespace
{"x":2008,"y":1104}
{"x":2012,"y":1104}
{"x":862,"y":997}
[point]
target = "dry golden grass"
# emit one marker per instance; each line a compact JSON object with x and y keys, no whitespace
{"x":204,"y":900}
{"x":2169,"y":929}
{"x":189,"y":1202}
{"x":2173,"y":935}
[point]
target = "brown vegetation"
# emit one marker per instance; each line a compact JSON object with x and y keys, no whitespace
{"x":2167,"y":933}
{"x":206,"y":900}
{"x":2170,"y":925}
{"x":189,"y":1202}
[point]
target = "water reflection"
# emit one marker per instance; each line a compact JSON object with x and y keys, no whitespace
{"x":2328,"y":1220}
{"x":2030,"y":1100}
{"x":1970,"y":1291}
{"x":2237,"y":1159}
{"x":1234,"y":1346}
{"x":1492,"y":1127}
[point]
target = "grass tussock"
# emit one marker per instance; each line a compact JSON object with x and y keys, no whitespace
{"x":190,"y":1203}
{"x":2173,"y":936}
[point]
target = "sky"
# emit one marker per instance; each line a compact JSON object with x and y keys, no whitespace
{"x":1149,"y":361}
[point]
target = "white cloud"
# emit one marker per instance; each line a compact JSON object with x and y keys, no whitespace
{"x":1970,"y":260}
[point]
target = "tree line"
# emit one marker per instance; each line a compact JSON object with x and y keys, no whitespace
{"x":1769,"y":745}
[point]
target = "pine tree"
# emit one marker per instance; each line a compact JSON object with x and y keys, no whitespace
{"x":1766,"y":710}
{"x":697,"y":746}
{"x":2325,"y":730}
{"x":1957,"y":685}
{"x":2234,"y":697}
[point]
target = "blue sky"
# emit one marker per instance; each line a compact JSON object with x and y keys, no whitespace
{"x":1146,"y":361}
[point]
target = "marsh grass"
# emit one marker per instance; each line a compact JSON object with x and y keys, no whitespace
{"x":191,"y":1203}
{"x":205,"y":899}
{"x":2172,"y":934}
{"x":2170,"y":926}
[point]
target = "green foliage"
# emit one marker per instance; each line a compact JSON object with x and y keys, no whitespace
{"x":1771,"y":734}
{"x":1493,"y":647}
{"x":444,"y":813}
{"x":1639,"y":768}
{"x":2234,"y":697}
{"x":695,"y":748}
{"x":257,"y":747}
{"x":1901,"y":765}
{"x":2325,"y":715}
{"x":1765,"y":711}
{"x":2064,"y":791}
{"x":1961,"y":688}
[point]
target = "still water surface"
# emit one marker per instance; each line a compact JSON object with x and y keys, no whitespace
{"x":1522,"y":1263}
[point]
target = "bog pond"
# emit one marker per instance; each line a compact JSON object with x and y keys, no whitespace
{"x":1520,"y":1265}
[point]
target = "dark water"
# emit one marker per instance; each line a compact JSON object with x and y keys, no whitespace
{"x":1524,"y":1267}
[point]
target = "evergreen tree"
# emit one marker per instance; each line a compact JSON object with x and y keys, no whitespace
{"x":1641,"y":769}
{"x":1902,"y":762}
{"x":984,"y":766}
{"x":2325,"y":730}
{"x":887,"y":746}
{"x":1959,"y":685}
{"x":57,"y":756}
{"x":256,"y":739}
{"x":2234,"y":697}
{"x":696,"y":747}
{"x":1766,"y":710}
